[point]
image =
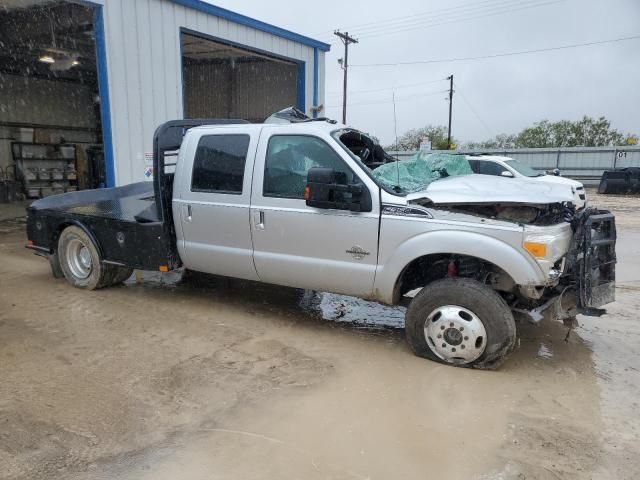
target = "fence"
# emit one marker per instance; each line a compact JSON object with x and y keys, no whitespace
{"x":585,"y":164}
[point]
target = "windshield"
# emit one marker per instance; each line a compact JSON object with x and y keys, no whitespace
{"x":416,"y":173}
{"x":410,"y":174}
{"x":523,"y":169}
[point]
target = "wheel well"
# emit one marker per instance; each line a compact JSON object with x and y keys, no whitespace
{"x":56,"y":235}
{"x":59,"y":229}
{"x":428,"y":268}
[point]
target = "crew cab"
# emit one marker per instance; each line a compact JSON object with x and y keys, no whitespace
{"x":302,"y":203}
{"x":508,"y":167}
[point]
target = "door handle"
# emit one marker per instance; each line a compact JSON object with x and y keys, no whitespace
{"x":188,"y":218}
{"x":259,"y":220}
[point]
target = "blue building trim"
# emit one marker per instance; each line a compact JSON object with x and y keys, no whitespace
{"x":300,"y":87}
{"x":182,"y":89}
{"x":316,"y":73}
{"x":103,"y":91}
{"x":251,"y":22}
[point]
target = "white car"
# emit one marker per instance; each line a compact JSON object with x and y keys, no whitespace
{"x":508,"y":167}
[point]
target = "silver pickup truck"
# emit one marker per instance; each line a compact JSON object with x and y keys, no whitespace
{"x":300,"y":203}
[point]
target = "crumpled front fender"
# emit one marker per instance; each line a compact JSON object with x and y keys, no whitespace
{"x":522,"y":268}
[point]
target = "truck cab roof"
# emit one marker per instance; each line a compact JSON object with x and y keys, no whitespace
{"x":315,"y":126}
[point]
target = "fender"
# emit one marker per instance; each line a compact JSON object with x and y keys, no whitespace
{"x":81,"y":226}
{"x":522,"y":268}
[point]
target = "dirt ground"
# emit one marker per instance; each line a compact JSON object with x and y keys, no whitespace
{"x":162,"y":379}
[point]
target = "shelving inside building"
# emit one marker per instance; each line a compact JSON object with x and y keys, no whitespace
{"x":45,"y":169}
{"x":50,"y":117}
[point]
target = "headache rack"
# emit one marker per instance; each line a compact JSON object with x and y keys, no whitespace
{"x":592,"y":259}
{"x":166,"y":145}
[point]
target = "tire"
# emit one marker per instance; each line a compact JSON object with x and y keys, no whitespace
{"x":54,"y":263}
{"x":602,"y":188}
{"x":80,"y":261}
{"x":121,"y":274}
{"x":461,"y":322}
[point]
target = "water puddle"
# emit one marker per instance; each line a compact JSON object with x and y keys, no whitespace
{"x":341,"y":309}
{"x":544,"y":351}
{"x":344,"y":309}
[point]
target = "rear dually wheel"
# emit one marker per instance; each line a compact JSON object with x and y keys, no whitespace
{"x":80,"y":260}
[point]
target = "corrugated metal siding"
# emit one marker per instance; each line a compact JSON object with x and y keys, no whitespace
{"x":214,"y":100}
{"x":209,"y":91}
{"x":145,"y":69}
{"x":46,"y":102}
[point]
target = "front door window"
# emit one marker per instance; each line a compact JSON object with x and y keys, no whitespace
{"x":289,"y":158}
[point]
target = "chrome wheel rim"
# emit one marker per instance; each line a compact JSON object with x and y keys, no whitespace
{"x":78,"y":258}
{"x":455,"y":334}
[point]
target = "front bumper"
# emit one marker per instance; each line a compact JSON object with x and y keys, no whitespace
{"x":588,"y":279}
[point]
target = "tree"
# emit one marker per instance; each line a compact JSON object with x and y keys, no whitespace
{"x":587,"y":132}
{"x":411,"y":140}
{"x":502,"y":140}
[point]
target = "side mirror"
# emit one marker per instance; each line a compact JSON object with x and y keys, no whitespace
{"x":329,"y":189}
{"x":506,"y":173}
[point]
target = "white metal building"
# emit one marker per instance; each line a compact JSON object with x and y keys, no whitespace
{"x":154,"y":60}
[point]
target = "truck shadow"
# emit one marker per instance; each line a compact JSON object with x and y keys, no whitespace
{"x":545,"y":342}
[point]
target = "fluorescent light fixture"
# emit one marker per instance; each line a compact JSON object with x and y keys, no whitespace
{"x":47,"y":59}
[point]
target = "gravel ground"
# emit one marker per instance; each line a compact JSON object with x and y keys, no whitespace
{"x":164,"y":379}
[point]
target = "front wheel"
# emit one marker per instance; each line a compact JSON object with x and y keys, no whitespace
{"x":461,"y":322}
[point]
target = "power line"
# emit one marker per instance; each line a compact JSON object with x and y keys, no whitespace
{"x":498,"y":55}
{"x":468,"y":104}
{"x":409,"y":24}
{"x":389,"y":88}
{"x":499,"y":7}
{"x":464,"y":18}
{"x":408,"y":97}
{"x":414,"y":17}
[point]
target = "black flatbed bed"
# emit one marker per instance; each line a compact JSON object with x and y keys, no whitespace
{"x":131,"y":203}
{"x":122,"y":221}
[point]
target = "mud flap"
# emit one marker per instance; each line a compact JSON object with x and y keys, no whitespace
{"x":54,"y":263}
{"x":592,"y":258}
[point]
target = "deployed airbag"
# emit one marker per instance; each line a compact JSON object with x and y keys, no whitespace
{"x":422,"y":169}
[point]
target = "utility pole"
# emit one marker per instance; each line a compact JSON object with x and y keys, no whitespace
{"x":346,"y":40}
{"x":450,"y":78}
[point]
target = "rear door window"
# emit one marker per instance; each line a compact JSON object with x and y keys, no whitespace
{"x":491,"y":168}
{"x":218,"y":166}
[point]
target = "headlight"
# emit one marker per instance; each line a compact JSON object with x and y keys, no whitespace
{"x":547,"y":243}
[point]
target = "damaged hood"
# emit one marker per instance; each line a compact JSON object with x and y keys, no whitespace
{"x":557,"y":180}
{"x":488,"y":189}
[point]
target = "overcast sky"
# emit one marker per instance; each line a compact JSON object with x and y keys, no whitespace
{"x":506,"y":93}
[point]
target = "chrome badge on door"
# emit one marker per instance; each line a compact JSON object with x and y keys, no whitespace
{"x":357,"y":252}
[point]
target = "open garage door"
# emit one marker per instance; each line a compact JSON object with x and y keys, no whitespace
{"x":50,"y":113}
{"x":225,"y":81}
